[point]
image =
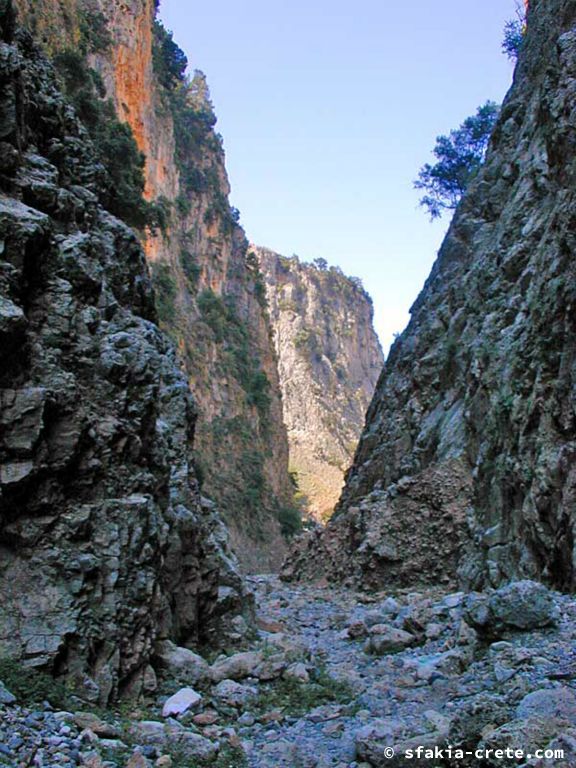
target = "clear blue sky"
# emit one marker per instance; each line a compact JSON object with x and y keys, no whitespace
{"x":328,"y":108}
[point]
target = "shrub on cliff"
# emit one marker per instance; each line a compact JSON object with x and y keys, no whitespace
{"x":459,"y":158}
{"x":514,"y":32}
{"x":169,"y":59}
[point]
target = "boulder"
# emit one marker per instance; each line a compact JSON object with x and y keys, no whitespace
{"x":182,"y":663}
{"x":559,"y":703}
{"x":102,"y":729}
{"x":182,"y":701}
{"x":167,"y":737}
{"x":383,"y":743}
{"x":521,"y":605}
{"x":447,"y":664}
{"x":524,"y":605}
{"x":233,"y":693}
{"x":6,"y":697}
{"x":236,"y":667}
{"x":137,"y":760}
{"x":385,"y":639}
{"x":297,"y":672}
{"x":272,"y":667}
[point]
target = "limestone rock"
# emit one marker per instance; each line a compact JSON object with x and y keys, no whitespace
{"x":237,"y":666}
{"x":233,"y":693}
{"x":474,"y":717}
{"x":107,"y":547}
{"x":521,"y":605}
{"x":329,"y":359}
{"x":550,"y":703}
{"x":182,"y":701}
{"x":297,"y":672}
{"x":6,"y":697}
{"x":91,"y":722}
{"x":181,"y":663}
{"x":385,"y":639}
{"x":190,"y":744}
{"x":137,"y":760}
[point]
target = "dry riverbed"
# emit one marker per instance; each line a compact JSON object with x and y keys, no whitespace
{"x":335,"y":679}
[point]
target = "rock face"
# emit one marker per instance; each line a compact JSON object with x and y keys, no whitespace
{"x":106,"y":545}
{"x":207,"y":288}
{"x":329,"y":360}
{"x":467,"y":462}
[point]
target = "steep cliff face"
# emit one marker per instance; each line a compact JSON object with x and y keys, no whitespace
{"x":468,"y":462}
{"x":329,"y":361}
{"x":106,"y":546}
{"x":213,"y":306}
{"x":208,"y":293}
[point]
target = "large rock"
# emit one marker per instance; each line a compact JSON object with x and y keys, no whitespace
{"x":385,"y":742}
{"x":237,"y":666}
{"x":182,"y":701}
{"x":190,"y":745}
{"x":385,"y":639}
{"x":549,"y":703}
{"x":527,"y":735}
{"x":181,"y":663}
{"x":6,"y":696}
{"x":521,"y":605}
{"x":234,"y":694}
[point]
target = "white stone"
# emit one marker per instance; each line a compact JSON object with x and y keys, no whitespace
{"x":180,"y":702}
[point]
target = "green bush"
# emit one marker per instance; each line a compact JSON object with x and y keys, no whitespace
{"x":257,"y":278}
{"x":296,"y":699}
{"x":191,"y":268}
{"x":214,"y":313}
{"x":258,"y":390}
{"x":169,"y":60}
{"x":290,"y":519}
{"x":254,"y":483}
{"x":166,"y":291}
{"x":239,"y":357}
{"x":515,"y":32}
{"x":31,"y":686}
{"x":459,"y":158}
{"x":94,"y":33}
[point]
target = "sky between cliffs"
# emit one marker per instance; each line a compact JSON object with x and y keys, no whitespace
{"x":328,"y":108}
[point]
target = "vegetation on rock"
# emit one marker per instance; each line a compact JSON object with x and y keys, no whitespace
{"x":459,"y":158}
{"x":515,"y":32}
{"x":113,"y":139}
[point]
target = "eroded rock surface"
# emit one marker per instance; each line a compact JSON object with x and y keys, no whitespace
{"x":106,"y":545}
{"x":329,"y":360}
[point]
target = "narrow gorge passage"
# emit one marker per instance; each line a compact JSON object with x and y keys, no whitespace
{"x":175,"y":403}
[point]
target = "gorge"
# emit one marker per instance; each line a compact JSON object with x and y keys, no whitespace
{"x":174,"y":400}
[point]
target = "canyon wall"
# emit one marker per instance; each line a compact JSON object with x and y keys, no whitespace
{"x":467,"y":467}
{"x":208,"y":291}
{"x":106,"y":546}
{"x":329,"y":360}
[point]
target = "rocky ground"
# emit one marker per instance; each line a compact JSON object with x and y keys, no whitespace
{"x":336,"y":679}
